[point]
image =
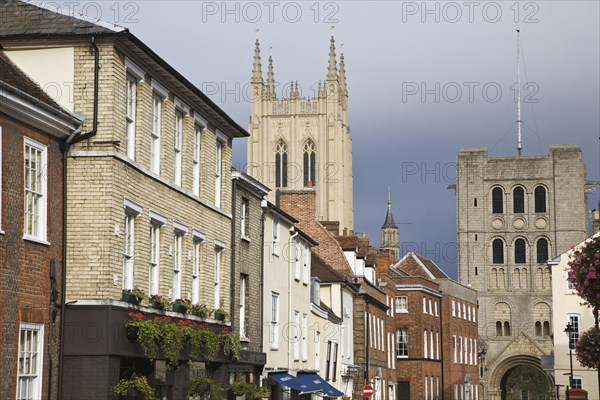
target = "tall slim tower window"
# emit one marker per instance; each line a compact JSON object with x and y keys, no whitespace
{"x":497,"y":201}
{"x":497,"y":252}
{"x":310,"y":156}
{"x":281,"y":158}
{"x":518,"y":200}
{"x":520,"y":257}
{"x":542,"y":251}
{"x":540,"y":199}
{"x":130,"y":115}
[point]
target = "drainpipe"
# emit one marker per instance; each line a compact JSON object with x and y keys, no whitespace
{"x":367,"y":344}
{"x":233,"y":255}
{"x":442,"y":336}
{"x":295,"y":233}
{"x":264,"y":206}
{"x":74,"y":138}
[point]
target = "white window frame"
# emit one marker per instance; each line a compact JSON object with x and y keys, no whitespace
{"x":244,"y":218}
{"x":453,"y":308}
{"x":242,"y":323}
{"x":401,"y":304}
{"x":129,"y":250}
{"x":425,"y":347}
{"x":580,"y":384}
{"x":431,"y":346}
{"x":424,"y":305}
{"x":402,"y":339}
{"x":465,"y":351}
{"x":154,"y":273}
{"x":276,"y":237}
{"x":217,"y":276}
{"x":178,"y":148}
{"x":460,"y":350}
{"x":306,"y":265}
{"x":155,"y":134}
{"x":38,"y":195}
{"x":297,"y":258}
{"x":196,"y":268}
{"x":454,"y":349}
{"x":437,"y":345}
{"x":130,"y":114}
{"x":303,"y":335}
{"x":197,"y":157}
{"x":218,"y":172}
{"x":177,"y":263}
{"x":274,"y":333}
{"x":435,"y":306}
{"x":296,"y":344}
{"x":29,"y":383}
{"x":430,"y":308}
{"x":575,"y":320}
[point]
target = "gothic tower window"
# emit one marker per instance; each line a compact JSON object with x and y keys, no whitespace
{"x":540,"y":199}
{"x":310,"y":156}
{"x":518,"y":200}
{"x":281,"y":161}
{"x":542,"y":251}
{"x":520,"y":251}
{"x":497,"y":201}
{"x":497,"y":251}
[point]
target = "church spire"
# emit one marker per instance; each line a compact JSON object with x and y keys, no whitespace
{"x":270,"y":77}
{"x":332,"y":69}
{"x":389,"y":218}
{"x":343,"y":88}
{"x":257,"y":67}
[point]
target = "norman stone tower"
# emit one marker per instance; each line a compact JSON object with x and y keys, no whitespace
{"x":389,"y":233}
{"x":513,"y":214}
{"x":299,"y":142}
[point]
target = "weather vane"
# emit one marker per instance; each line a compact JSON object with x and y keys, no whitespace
{"x":257,"y":30}
{"x":332,"y":28}
{"x":270,"y":48}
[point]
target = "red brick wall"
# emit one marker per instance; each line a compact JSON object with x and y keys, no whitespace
{"x":25,"y":265}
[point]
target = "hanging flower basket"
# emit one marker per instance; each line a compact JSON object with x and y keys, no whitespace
{"x":158,"y":302}
{"x":584,"y":271}
{"x":588,"y":348}
{"x":132,"y":296}
{"x":181,"y":306}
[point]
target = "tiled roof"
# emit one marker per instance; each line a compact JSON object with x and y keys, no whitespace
{"x":348,"y":243}
{"x":12,"y":75}
{"x":33,"y":20}
{"x":324,"y":271}
{"x":418,"y":265}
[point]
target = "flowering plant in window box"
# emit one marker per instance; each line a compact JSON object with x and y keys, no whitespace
{"x":133,"y":296}
{"x":181,"y":305}
{"x":231,"y":344}
{"x":159,"y":302}
{"x":200,"y":310}
{"x":157,"y":333}
{"x":221,"y":314}
{"x":588,"y":348}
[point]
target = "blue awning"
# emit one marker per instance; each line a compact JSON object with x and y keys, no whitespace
{"x":315,"y":381}
{"x":287,"y":380}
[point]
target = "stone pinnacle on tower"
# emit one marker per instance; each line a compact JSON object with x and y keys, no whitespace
{"x":270,"y":77}
{"x":343,"y":88}
{"x":332,"y":68}
{"x":257,"y":67}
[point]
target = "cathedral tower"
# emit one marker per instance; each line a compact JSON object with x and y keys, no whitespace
{"x":300,"y":142}
{"x":389,"y":233}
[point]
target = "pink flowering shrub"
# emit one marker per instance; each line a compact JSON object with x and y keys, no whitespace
{"x":584,"y":271}
{"x":588,"y":348}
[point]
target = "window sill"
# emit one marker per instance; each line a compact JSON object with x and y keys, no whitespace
{"x":402,"y":312}
{"x":36,"y":240}
{"x":244,"y":339}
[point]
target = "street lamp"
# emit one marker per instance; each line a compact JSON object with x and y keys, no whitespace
{"x":569,"y":330}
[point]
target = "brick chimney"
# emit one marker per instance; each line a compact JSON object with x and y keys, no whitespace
{"x":300,"y":204}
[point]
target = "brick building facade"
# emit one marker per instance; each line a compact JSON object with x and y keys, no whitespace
{"x":33,"y":131}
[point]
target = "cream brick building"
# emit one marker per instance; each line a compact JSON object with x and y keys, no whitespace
{"x":149,"y":190}
{"x":513,"y":214}
{"x":300,"y":141}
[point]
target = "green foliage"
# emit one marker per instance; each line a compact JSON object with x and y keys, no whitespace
{"x":203,"y":342}
{"x":158,"y":333}
{"x":139,"y":383}
{"x":205,"y":388}
{"x":585,"y":270}
{"x":201,"y":310}
{"x":241,"y":388}
{"x":231,"y":344}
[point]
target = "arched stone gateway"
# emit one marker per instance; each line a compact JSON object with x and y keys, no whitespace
{"x":518,"y":378}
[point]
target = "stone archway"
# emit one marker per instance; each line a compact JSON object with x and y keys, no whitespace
{"x":520,"y":376}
